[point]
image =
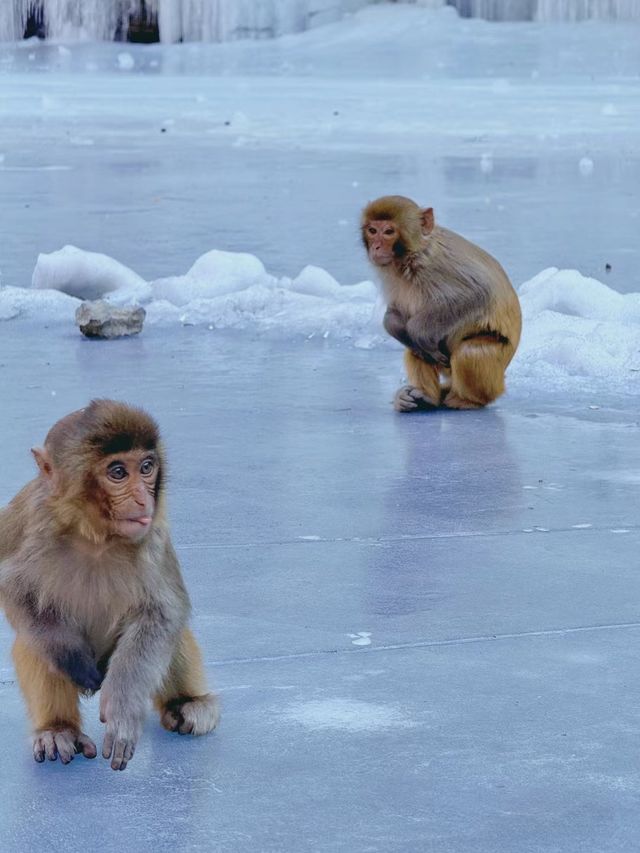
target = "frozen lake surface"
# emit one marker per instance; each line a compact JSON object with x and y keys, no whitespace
{"x":424,"y":629}
{"x":156,"y":154}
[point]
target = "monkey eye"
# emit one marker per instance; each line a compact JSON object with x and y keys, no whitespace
{"x":147,"y":466}
{"x":116,"y":471}
{"x":371,"y":230}
{"x":389,"y":231}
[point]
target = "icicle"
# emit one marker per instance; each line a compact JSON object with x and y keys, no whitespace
{"x":547,"y":10}
{"x":580,"y":10}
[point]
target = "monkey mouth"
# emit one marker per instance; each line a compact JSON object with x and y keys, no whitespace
{"x":133,"y":527}
{"x":142,"y":520}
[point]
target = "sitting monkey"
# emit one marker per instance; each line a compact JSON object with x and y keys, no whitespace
{"x":448,"y":301}
{"x":91,"y":584}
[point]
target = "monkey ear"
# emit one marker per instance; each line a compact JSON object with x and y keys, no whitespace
{"x":43,"y":461}
{"x":427,"y":220}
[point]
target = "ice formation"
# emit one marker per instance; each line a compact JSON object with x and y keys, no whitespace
{"x":222,"y":20}
{"x":87,"y":275}
{"x":178,"y":20}
{"x":575,"y":328}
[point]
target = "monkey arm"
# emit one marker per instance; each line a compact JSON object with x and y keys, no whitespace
{"x":395,"y":324}
{"x":138,"y":668}
{"x":448,"y":313}
{"x":429,"y":341}
{"x":12,"y":523}
{"x":56,"y":639}
{"x":136,"y":671}
{"x":61,"y":643}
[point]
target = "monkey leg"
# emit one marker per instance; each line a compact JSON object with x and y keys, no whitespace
{"x":477,"y":373}
{"x":52,"y":702}
{"x":424,"y":390}
{"x":184,"y":703}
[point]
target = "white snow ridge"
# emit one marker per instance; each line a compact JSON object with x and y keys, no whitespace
{"x":576,"y":329}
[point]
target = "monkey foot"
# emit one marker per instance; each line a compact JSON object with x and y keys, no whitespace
{"x":452,"y":401}
{"x":408,"y":399}
{"x":195,"y":716}
{"x":62,"y":744}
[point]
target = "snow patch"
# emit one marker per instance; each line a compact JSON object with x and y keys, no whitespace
{"x":586,"y":166}
{"x":348,"y":715}
{"x":51,"y":304}
{"x":126,"y":62}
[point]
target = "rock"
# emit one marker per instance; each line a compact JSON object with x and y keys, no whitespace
{"x":102,"y":320}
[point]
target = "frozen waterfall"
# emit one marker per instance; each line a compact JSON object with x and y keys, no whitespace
{"x":224,"y":20}
{"x":172,"y":20}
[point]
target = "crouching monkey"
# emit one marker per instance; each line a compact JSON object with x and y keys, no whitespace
{"x":448,"y":301}
{"x":91,"y":584}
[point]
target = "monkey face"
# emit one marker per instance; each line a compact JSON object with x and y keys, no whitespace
{"x":381,"y":237}
{"x":128,"y":482}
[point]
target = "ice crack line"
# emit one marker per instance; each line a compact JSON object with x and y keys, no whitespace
{"x":426,"y":644}
{"x":408,"y":537}
{"x":416,"y":644}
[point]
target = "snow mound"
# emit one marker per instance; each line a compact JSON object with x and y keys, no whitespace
{"x":213,"y":274}
{"x":87,"y":275}
{"x":569,"y":292}
{"x":576,"y":330}
{"x":577,"y":326}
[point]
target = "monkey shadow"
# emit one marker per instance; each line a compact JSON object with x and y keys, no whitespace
{"x":459,"y":476}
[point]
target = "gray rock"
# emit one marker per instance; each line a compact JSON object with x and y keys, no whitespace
{"x":102,"y":320}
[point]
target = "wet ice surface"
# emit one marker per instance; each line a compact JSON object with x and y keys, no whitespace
{"x":489,"y":558}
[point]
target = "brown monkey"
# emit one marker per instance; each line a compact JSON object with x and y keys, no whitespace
{"x":448,"y":301}
{"x":91,"y":584}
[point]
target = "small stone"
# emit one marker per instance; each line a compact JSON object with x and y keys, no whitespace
{"x":101,"y":320}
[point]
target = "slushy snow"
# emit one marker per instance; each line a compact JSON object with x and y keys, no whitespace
{"x":576,"y":329}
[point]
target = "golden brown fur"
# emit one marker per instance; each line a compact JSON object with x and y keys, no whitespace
{"x":449,"y":302}
{"x":94,"y":597}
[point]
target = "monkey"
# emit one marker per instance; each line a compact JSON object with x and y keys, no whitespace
{"x":91,"y":584}
{"x":449,"y":303}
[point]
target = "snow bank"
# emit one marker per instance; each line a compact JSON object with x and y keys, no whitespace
{"x":222,"y":290}
{"x":48,"y":304}
{"x":576,"y":329}
{"x":576,"y":326}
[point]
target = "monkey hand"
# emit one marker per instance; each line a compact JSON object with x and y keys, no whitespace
{"x":80,"y":666}
{"x":440,"y":357}
{"x":124,"y":725}
{"x":436,"y":352}
{"x":432,"y":356}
